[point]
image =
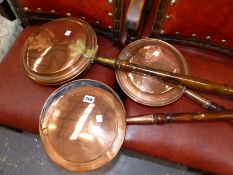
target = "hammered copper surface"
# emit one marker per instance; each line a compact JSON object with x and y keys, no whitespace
{"x":59,"y":51}
{"x":83,"y":127}
{"x":149,"y":90}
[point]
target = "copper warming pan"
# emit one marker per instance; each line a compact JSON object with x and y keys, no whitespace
{"x":83,"y":124}
{"x":63,"y":49}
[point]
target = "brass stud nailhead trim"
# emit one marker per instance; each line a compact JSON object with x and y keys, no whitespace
{"x":132,"y":38}
{"x":167,"y":17}
{"x":110,"y":14}
{"x":162,"y":32}
{"x":109,"y":1}
{"x":68,"y":14}
{"x":194,"y":35}
{"x":173,"y":2}
{"x":223,"y":40}
{"x":52,"y":11}
{"x":83,"y":17}
{"x":208,"y":37}
{"x":38,"y":9}
{"x":110,"y":27}
{"x":177,"y":33}
{"x":97,"y":22}
{"x":25,"y":9}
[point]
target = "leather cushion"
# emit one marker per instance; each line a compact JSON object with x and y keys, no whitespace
{"x":22,"y":99}
{"x":205,"y":146}
{"x":204,"y":18}
{"x":92,"y":10}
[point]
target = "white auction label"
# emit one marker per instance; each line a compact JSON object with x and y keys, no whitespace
{"x":89,"y":99}
{"x":99,"y":118}
{"x":67,"y":33}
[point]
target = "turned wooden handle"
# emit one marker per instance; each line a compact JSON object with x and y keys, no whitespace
{"x":180,"y":79}
{"x":181,"y":118}
{"x":206,"y":103}
{"x":194,"y":117}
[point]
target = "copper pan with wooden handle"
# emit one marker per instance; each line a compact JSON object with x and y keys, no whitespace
{"x":65,"y":48}
{"x":83,"y":124}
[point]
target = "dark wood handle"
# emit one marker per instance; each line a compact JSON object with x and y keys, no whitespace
{"x":193,"y":117}
{"x":215,"y":107}
{"x":180,"y":79}
{"x":181,"y":118}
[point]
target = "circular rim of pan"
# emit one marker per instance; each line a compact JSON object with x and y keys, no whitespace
{"x":150,"y":99}
{"x":103,"y":156}
{"x":78,"y":48}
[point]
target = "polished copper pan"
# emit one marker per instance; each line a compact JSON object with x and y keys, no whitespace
{"x":63,"y":49}
{"x":145,"y":89}
{"x":59,"y":51}
{"x":83,"y":124}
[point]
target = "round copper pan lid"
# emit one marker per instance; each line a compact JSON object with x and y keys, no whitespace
{"x":145,"y":89}
{"x":82,"y":125}
{"x":59,"y":51}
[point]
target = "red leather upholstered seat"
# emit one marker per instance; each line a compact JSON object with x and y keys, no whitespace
{"x":205,"y":146}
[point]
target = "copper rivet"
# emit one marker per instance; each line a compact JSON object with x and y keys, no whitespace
{"x":194,"y":35}
{"x":83,"y":17}
{"x":110,"y":27}
{"x":25,"y":9}
{"x":161,"y":32}
{"x":223,"y":40}
{"x":68,"y":14}
{"x":208,"y":37}
{"x":173,"y":2}
{"x":52,"y":11}
{"x":110,"y":1}
{"x":39,"y":9}
{"x":167,"y":17}
{"x":177,"y":33}
{"x":110,"y":14}
{"x":97,"y":22}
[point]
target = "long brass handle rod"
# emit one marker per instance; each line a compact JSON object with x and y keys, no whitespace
{"x":180,"y":79}
{"x":181,"y":118}
{"x":205,"y":103}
